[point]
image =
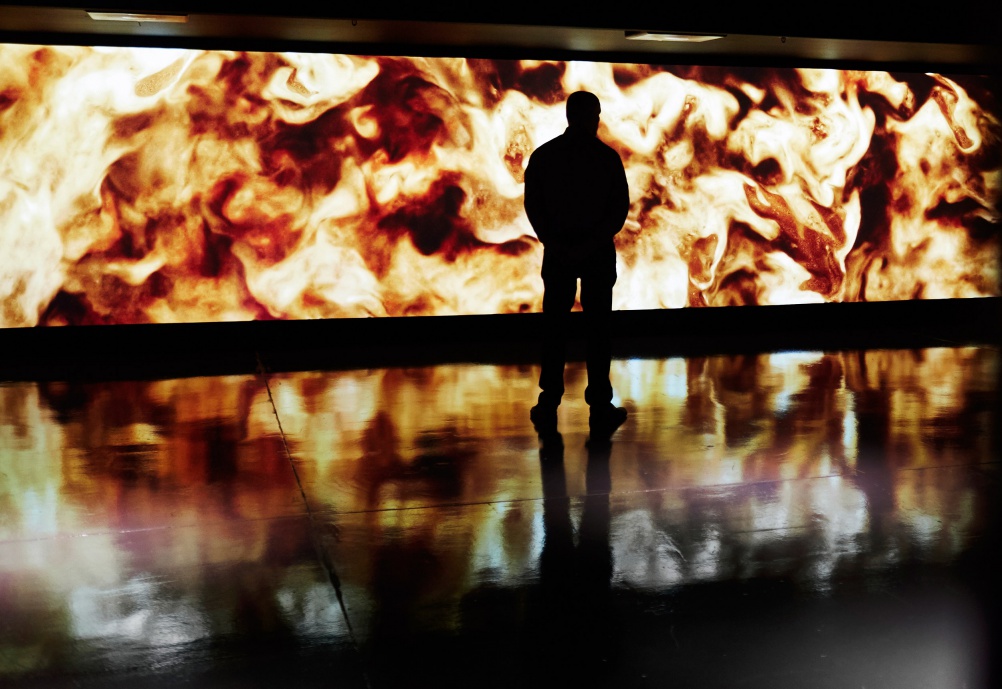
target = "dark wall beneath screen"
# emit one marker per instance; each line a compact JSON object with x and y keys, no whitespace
{"x":188,"y":349}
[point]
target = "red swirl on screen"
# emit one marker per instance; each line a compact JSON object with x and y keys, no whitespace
{"x":147,"y":185}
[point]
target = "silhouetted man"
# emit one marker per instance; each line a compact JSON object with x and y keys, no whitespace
{"x":577,"y":198}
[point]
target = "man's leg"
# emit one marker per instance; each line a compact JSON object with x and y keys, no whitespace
{"x":558,"y":299}
{"x":596,"y":301}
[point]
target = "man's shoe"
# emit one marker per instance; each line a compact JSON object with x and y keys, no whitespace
{"x":606,"y":419}
{"x":544,"y":418}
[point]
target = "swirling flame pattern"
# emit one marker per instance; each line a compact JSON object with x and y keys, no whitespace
{"x":144,"y":185}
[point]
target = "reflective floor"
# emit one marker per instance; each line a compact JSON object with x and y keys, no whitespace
{"x":796,"y":519}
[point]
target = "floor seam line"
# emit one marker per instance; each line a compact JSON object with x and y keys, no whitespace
{"x":314,"y":531}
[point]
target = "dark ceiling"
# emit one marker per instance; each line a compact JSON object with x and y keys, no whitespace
{"x":963,"y":32}
{"x":964,"y":22}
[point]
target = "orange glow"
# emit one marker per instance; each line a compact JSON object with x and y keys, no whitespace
{"x":163,"y":185}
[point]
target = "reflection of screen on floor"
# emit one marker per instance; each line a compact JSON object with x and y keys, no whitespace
{"x":162,"y":185}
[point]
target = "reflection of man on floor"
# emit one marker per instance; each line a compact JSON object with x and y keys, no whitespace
{"x":578,"y":630}
{"x":577,"y":198}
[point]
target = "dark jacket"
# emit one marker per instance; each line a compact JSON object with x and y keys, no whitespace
{"x":577,"y":199}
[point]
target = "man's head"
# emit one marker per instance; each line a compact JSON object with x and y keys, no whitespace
{"x":583,"y":110}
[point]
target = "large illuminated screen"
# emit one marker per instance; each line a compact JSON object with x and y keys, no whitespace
{"x":158,"y":185}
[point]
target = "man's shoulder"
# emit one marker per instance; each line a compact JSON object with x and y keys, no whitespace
{"x":551,"y":147}
{"x":565,"y":142}
{"x":565,"y":150}
{"x":548,"y":155}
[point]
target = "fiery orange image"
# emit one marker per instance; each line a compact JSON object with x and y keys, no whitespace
{"x":153,"y":185}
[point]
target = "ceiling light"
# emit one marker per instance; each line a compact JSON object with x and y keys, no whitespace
{"x":137,"y":17}
{"x":672,"y":36}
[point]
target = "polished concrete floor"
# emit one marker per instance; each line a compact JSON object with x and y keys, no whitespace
{"x":794,"y":519}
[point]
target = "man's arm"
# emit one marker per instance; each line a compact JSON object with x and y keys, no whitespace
{"x":619,"y":198}
{"x":535,"y":201}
